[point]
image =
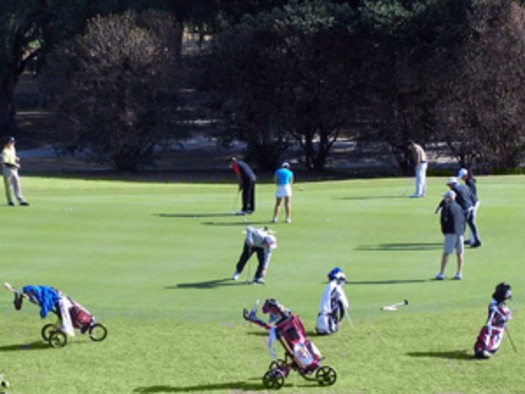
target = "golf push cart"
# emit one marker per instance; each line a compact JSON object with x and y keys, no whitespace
{"x":71,"y":315}
{"x":300,"y":354}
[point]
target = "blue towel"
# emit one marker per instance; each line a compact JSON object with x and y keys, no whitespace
{"x":45,"y":296}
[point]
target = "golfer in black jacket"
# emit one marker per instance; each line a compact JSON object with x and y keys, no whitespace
{"x":246,"y":179}
{"x":453,"y":228}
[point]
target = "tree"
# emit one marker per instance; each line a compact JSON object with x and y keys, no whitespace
{"x":280,"y":77}
{"x":483,"y":115}
{"x":114,"y":89}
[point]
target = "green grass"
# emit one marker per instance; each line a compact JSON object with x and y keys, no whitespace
{"x":152,"y":261}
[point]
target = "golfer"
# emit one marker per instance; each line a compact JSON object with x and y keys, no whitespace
{"x":11,"y":164}
{"x":466,"y":199}
{"x":419,"y":159}
{"x":284,"y":179}
{"x":470,"y":182}
{"x":258,"y":241}
{"x":246,"y":179}
{"x":453,"y":228}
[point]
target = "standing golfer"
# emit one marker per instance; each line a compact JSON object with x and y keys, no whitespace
{"x":258,"y":241}
{"x":419,"y":158}
{"x":11,"y":164}
{"x":467,"y":200}
{"x":246,"y":179}
{"x":453,"y":228}
{"x":470,"y":182}
{"x":284,"y":179}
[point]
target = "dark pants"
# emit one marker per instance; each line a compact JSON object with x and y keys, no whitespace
{"x":471,"y":221}
{"x":245,"y":256}
{"x":248,"y":195}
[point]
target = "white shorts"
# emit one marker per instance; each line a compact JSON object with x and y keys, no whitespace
{"x":283,"y":191}
{"x":453,"y":241}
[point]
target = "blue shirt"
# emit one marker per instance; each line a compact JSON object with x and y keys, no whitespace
{"x":283,"y":176}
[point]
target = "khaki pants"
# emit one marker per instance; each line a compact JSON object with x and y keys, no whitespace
{"x":12,"y":180}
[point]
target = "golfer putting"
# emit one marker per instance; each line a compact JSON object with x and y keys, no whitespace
{"x":259,"y":241}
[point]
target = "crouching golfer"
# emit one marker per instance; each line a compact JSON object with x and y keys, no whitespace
{"x":258,"y":241}
{"x":334,"y":303}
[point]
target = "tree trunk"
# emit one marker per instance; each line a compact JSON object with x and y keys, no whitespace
{"x":7,"y":103}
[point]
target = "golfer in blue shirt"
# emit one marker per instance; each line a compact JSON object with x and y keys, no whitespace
{"x":284,"y":179}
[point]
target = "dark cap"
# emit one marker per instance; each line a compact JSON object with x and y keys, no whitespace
{"x":10,"y":139}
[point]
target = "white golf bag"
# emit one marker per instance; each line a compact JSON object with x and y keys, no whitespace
{"x":334,"y":305}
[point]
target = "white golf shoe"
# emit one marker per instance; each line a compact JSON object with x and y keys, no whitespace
{"x":235,"y":276}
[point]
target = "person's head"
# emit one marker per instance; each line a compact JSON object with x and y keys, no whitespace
{"x":233,"y":161}
{"x":270,"y":241}
{"x":452,"y":181}
{"x":449,"y":196}
{"x":285,"y":165}
{"x":502,"y":292}
{"x":410,"y":144}
{"x":338,"y":275}
{"x":463,"y":174}
{"x":10,"y":141}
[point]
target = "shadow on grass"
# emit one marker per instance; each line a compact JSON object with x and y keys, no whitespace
{"x":402,"y":247}
{"x":241,"y":386}
{"x":209,"y":284}
{"x":243,"y":223}
{"x":193,"y":215}
{"x":451,"y":354}
{"x":389,"y":282}
{"x":37,"y":345}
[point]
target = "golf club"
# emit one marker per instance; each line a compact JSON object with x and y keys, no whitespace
{"x":393,"y":307}
{"x":511,"y":341}
{"x":349,"y":319}
{"x":232,"y":210}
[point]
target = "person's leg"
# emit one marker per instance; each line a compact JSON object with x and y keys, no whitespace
{"x":423,"y":179}
{"x":17,"y":186}
{"x":459,"y":255}
{"x":6,"y":172}
{"x":261,"y":269}
{"x":288,"y":208}
{"x":245,"y":197}
{"x":276,"y":208}
{"x":444,"y":259}
{"x":460,"y":259}
{"x":243,"y":259}
{"x":252,"y":196}
{"x":471,"y":221}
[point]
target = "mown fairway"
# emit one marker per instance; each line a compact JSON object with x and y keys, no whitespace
{"x":152,"y":261}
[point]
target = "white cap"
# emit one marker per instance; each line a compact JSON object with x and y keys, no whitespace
{"x":271,"y":241}
{"x":450,"y":194}
{"x":462,"y":173}
{"x":285,"y":165}
{"x":452,"y":180}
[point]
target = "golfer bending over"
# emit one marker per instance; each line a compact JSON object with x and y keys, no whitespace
{"x":258,"y":241}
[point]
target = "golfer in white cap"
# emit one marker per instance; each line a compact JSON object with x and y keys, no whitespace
{"x":453,"y":228}
{"x":470,"y":182}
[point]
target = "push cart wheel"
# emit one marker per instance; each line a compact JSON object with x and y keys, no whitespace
{"x":326,"y":376}
{"x":98,"y":332}
{"x":273,"y":379}
{"x":276,"y":363}
{"x":47,"y":330}
{"x":57,"y":339}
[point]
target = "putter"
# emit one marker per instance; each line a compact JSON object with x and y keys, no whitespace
{"x":511,"y":341}
{"x":231,"y":211}
{"x":393,"y":307}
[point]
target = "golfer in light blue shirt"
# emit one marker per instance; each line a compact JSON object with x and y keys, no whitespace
{"x":284,"y":179}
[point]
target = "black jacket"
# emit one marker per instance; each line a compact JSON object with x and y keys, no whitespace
{"x":452,"y":219}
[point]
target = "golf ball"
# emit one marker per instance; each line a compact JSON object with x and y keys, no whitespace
{"x":327,"y":219}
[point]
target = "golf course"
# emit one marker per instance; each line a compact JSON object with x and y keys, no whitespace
{"x":153,"y":261}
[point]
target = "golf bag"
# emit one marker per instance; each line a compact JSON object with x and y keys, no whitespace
{"x":491,"y":334}
{"x":334,"y":304}
{"x":300,"y":355}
